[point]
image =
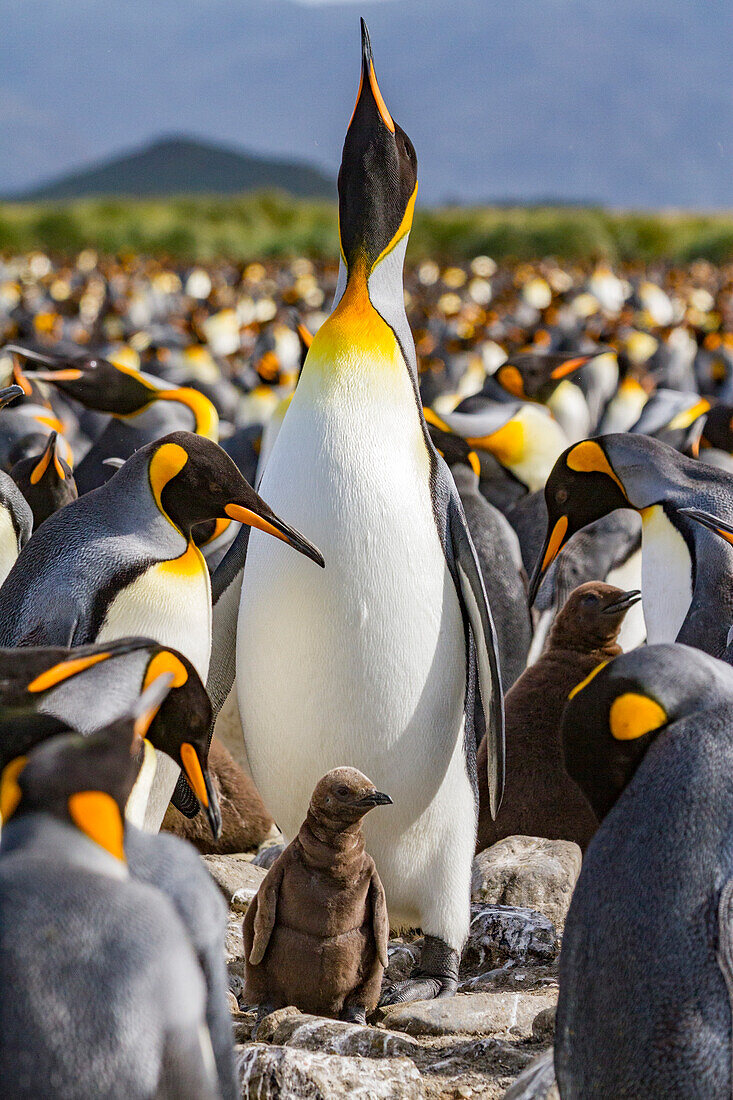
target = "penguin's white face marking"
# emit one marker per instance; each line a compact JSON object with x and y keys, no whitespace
{"x":8,"y":543}
{"x":666,"y":576}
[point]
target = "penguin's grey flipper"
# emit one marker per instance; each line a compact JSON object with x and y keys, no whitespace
{"x":60,"y":626}
{"x":226,"y":586}
{"x":380,"y":918}
{"x":474,"y":601}
{"x":188,"y":1070}
{"x":264,"y":922}
{"x":535,"y":1082}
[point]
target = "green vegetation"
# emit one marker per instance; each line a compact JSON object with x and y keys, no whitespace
{"x":273,"y":224}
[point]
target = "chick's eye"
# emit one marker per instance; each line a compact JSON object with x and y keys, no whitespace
{"x":561,"y":496}
{"x":590,"y":599}
{"x":342,"y":792}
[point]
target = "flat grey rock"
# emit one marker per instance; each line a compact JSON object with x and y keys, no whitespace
{"x":529,"y":872}
{"x":237,"y":878}
{"x":288,"y":1027}
{"x":286,"y":1073}
{"x":471,"y":1014}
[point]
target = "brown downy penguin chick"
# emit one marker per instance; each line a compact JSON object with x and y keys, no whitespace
{"x":316,"y":934}
{"x":540,"y":798}
{"x":245,"y":822}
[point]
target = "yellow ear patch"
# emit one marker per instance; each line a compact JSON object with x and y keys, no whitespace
{"x":193,"y":773}
{"x":632,"y":715}
{"x":97,"y":814}
{"x":10,"y":793}
{"x":163,"y":662}
{"x":584,"y":683}
{"x":588,"y":458}
{"x":166,"y":463}
{"x":556,"y":540}
{"x":511,"y":380}
{"x":62,"y":671}
{"x":40,"y":468}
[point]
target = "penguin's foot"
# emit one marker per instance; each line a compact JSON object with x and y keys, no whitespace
{"x":262,"y":1011}
{"x":435,"y":976}
{"x":354,"y":1014}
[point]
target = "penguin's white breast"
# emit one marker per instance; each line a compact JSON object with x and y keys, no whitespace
{"x":666,"y":576}
{"x":361,"y":663}
{"x":8,"y":544}
{"x":171,"y":603}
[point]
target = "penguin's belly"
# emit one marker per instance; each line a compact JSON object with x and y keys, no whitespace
{"x":8,"y":544}
{"x":362,"y":663}
{"x":666,"y":576}
{"x":171,"y":603}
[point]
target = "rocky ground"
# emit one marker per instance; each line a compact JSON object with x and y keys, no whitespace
{"x":472,"y":1045}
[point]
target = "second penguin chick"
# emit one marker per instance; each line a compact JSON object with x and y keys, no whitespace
{"x":540,"y":798}
{"x":316,"y":934}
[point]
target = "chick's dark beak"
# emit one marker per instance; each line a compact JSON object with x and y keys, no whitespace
{"x":376,"y":798}
{"x":623,"y":603}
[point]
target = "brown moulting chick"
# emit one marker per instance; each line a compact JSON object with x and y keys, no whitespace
{"x":540,"y":798}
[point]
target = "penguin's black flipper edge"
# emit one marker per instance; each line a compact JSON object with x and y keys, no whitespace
{"x":535,"y":1082}
{"x":472,"y":594}
{"x":725,"y":936}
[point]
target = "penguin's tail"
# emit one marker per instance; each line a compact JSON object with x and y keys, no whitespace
{"x":537,"y":1081}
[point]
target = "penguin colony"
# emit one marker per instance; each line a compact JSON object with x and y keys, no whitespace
{"x":521,"y":486}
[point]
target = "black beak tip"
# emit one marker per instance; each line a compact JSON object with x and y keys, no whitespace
{"x":366,"y":45}
{"x":214,"y":815}
{"x":10,"y":393}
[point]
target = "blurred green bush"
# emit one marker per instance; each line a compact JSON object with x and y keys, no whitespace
{"x":246,"y":227}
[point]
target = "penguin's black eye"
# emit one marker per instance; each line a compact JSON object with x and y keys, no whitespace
{"x":342,"y":792}
{"x":590,"y":600}
{"x":561,"y":496}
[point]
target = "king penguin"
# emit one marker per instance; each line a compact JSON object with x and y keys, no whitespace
{"x":686,"y":571}
{"x":45,"y":480}
{"x":388,"y":638}
{"x":120,"y":560}
{"x":646,"y":968}
{"x":107,"y":952}
{"x":16,"y":517}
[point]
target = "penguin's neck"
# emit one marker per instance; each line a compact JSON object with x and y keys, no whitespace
{"x":42,"y":835}
{"x":329,"y":845}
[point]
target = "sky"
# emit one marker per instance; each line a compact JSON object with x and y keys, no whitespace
{"x":609,"y":101}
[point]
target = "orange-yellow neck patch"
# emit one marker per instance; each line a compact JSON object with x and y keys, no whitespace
{"x":97,"y":814}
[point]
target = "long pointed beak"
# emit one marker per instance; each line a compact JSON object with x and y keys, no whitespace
{"x":368,"y":85}
{"x":50,"y":361}
{"x":62,"y":374}
{"x":623,"y":603}
{"x":202,"y":786}
{"x":552,"y":547}
{"x":719,"y":526}
{"x":570,"y":366}
{"x":273,"y":525}
{"x":9,"y":393}
{"x":376,"y":798}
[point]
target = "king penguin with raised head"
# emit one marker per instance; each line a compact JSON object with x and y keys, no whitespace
{"x":389,"y":637}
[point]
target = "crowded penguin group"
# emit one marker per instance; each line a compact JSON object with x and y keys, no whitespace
{"x":379,"y":585}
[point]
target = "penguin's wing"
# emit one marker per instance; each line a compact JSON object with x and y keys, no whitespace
{"x":62,"y":625}
{"x":475,"y":604}
{"x":380,"y":918}
{"x":264,"y":921}
{"x":188,"y":1067}
{"x":226,"y":587}
{"x":725,"y":936}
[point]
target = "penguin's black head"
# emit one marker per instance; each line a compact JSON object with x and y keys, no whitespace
{"x":92,"y":380}
{"x":45,"y":480}
{"x":343,"y":796}
{"x":615,"y":714}
{"x":581,"y":488}
{"x":454,"y":449}
{"x":193,"y":480}
{"x":8,"y":394}
{"x":535,"y":376}
{"x":85,"y":781}
{"x":377,"y":180}
{"x":718,"y":429}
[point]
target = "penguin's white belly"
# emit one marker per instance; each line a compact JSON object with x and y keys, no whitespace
{"x":666,"y":576}
{"x":362,"y":663}
{"x":628,"y":576}
{"x":171,"y":603}
{"x":8,"y":544}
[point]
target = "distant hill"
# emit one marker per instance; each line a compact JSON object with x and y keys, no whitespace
{"x":181,"y":165}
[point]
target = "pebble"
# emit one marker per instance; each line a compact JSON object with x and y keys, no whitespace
{"x":529,"y":872}
{"x":284,"y":1073}
{"x":473,"y":1014}
{"x":236,"y":877}
{"x":291,"y":1028}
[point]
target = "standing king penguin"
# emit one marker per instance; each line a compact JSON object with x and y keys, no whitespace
{"x":687,"y":595}
{"x":390,"y":637}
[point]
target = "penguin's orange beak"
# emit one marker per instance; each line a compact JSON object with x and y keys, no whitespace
{"x":199,"y":777}
{"x":264,"y":519}
{"x":553,"y":545}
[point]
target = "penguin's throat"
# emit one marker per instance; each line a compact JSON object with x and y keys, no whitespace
{"x":355,"y":337}
{"x":330,"y":843}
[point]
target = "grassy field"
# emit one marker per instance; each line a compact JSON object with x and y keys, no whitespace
{"x":272,"y":224}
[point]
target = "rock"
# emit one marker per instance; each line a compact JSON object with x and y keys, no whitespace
{"x":529,"y":872}
{"x":505,"y":935}
{"x":473,"y":1014}
{"x":288,"y":1027}
{"x":268,"y":852}
{"x":283,"y":1073}
{"x":543,"y":1027}
{"x":234,"y":944}
{"x":475,"y":1054}
{"x":236,"y":876}
{"x":536,"y":1081}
